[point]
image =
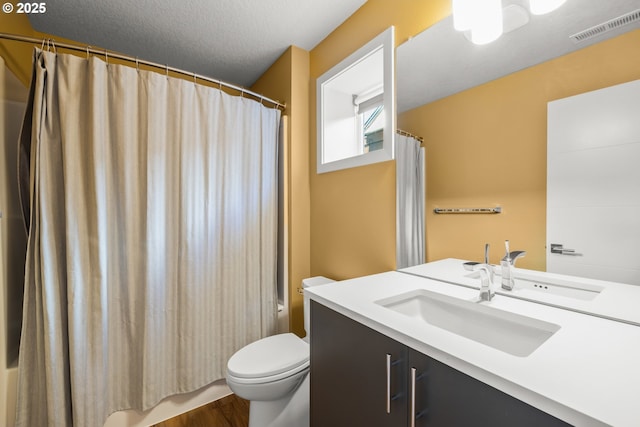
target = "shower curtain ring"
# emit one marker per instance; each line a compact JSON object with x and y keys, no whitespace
{"x":195,"y":78}
{"x":166,"y":68}
{"x":88,"y":51}
{"x":42,"y":47}
{"x":137,"y":64}
{"x":106,"y":56}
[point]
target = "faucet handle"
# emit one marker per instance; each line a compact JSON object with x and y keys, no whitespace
{"x":486,"y":253}
{"x":513,"y":256}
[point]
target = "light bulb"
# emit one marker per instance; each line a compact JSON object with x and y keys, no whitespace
{"x":540,"y":7}
{"x":487,"y":23}
{"x":463,"y":12}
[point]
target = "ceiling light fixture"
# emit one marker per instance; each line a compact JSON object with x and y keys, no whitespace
{"x":482,"y":18}
{"x":540,"y":7}
{"x":487,"y":24}
{"x":483,"y":21}
{"x":463,"y":11}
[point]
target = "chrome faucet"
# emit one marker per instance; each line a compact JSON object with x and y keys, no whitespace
{"x":507,"y":264}
{"x":486,"y":293}
{"x":486,"y":274}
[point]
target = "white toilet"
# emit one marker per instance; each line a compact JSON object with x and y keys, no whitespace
{"x":272,"y":373}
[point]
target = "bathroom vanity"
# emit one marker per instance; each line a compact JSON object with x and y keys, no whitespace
{"x":400,"y":349}
{"x":364,"y":378}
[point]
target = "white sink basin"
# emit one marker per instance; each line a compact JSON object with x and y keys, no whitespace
{"x":509,"y":332}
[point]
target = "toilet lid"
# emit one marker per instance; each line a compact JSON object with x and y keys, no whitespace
{"x":269,"y":356}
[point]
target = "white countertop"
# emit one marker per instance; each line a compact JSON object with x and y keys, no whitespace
{"x":587,"y":373}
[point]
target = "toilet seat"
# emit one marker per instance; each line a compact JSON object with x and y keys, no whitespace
{"x":270,"y":379}
{"x":269,"y":359}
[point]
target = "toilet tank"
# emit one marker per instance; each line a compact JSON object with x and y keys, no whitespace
{"x":307,"y":283}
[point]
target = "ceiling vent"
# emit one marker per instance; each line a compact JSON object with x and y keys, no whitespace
{"x":612,"y":24}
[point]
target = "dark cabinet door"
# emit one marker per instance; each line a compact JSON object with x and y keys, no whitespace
{"x":361,"y":378}
{"x":447,"y":397}
{"x":358,"y":376}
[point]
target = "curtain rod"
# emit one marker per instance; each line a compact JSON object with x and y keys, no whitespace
{"x":410,"y":135}
{"x":89,"y":50}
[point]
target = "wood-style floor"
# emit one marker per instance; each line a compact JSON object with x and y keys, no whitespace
{"x":230,"y":411}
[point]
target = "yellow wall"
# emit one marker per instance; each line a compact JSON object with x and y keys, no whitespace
{"x":487,"y":146}
{"x":287,"y":80}
{"x":353,"y":210}
{"x":17,"y":55}
{"x":498,"y":157}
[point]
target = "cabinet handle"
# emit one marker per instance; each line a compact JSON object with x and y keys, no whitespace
{"x":413,"y":397}
{"x":388,"y":383}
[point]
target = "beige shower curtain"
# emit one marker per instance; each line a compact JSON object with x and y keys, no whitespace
{"x":410,"y":202}
{"x":152,"y":238}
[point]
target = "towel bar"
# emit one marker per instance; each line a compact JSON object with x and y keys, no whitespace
{"x":495,"y":210}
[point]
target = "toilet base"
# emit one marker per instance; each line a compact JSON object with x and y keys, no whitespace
{"x":290,"y":411}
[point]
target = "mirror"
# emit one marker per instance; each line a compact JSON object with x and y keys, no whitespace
{"x":441,"y":61}
{"x":356,"y":107}
{"x":482,"y":111}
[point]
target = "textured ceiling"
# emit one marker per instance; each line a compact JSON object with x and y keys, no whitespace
{"x":232,"y":40}
{"x":441,"y":61}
